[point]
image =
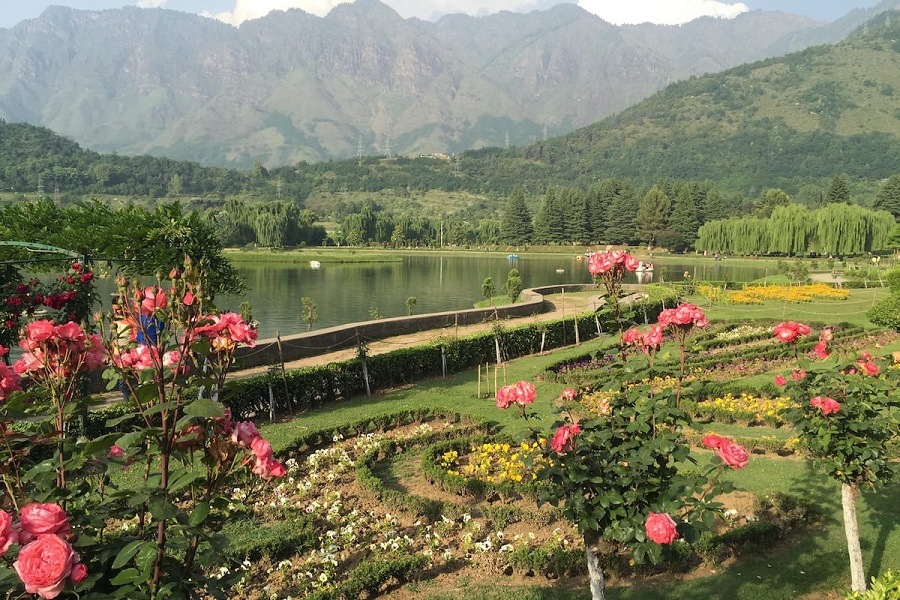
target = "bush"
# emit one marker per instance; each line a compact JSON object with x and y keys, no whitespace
{"x":886,"y":587}
{"x":887,"y":312}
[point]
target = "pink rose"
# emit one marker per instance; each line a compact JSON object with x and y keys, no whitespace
{"x":732,"y":454}
{"x":45,"y":565}
{"x":115,"y":452}
{"x":8,"y":535}
{"x":569,"y":394}
{"x":789,"y":331}
{"x":244,"y":433}
{"x":632,"y":336}
{"x":654,"y":337}
{"x":524,"y":393}
{"x":661,"y":528}
{"x":266,"y":468}
{"x":506,"y":396}
{"x":827,"y":405}
{"x":713,"y":441}
{"x":10,"y":381}
{"x":798,"y":374}
{"x":41,"y":519}
{"x":821,"y":350}
{"x":153,"y":299}
{"x":865,"y":355}
{"x":70,"y":331}
{"x":780,"y":381}
{"x":631,"y":263}
{"x":870,"y":368}
{"x":261,"y":448}
{"x":564,"y":438}
{"x":79,"y":573}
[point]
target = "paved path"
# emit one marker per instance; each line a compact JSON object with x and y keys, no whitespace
{"x":563,"y":305}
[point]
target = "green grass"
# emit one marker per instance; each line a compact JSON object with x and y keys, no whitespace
{"x":852,"y":310}
{"x":809,"y":566}
{"x":303,"y":256}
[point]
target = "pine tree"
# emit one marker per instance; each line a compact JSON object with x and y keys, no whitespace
{"x":839,"y":190}
{"x":515,"y":226}
{"x":714,"y":206}
{"x":653,"y":212}
{"x":621,"y":222}
{"x":888,"y":197}
{"x":684,"y":219}
{"x":543,"y":220}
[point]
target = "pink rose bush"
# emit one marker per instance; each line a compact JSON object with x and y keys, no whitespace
{"x":166,"y":345}
{"x":564,"y":439}
{"x":827,"y":405}
{"x":732,"y":454}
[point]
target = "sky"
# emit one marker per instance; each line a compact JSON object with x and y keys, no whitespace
{"x":614,"y":11}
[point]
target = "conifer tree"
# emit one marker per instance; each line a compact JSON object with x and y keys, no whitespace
{"x":839,"y":190}
{"x":653,"y":213}
{"x":888,"y":197}
{"x":621,"y":221}
{"x":515,"y":226}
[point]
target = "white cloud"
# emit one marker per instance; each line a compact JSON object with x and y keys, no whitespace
{"x":151,"y":3}
{"x":614,"y":11}
{"x":669,"y":12}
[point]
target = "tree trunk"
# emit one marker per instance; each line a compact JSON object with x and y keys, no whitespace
{"x":595,"y":572}
{"x":851,"y":529}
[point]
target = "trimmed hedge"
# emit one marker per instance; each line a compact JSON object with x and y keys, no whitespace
{"x":371,"y":576}
{"x":314,"y":387}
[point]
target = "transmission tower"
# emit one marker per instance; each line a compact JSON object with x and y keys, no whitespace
{"x":506,"y":145}
{"x":359,"y":152}
{"x":387,"y":147}
{"x":40,"y":188}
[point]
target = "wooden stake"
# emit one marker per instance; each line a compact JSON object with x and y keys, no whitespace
{"x":479,"y":382}
{"x":287,"y":397}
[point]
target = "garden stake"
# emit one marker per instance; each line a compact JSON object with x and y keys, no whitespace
{"x":287,"y":397}
{"x":271,"y":402}
{"x":479,"y":382}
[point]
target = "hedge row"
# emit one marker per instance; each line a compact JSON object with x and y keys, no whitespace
{"x":314,"y":387}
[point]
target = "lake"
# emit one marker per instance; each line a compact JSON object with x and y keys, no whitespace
{"x":350,"y":292}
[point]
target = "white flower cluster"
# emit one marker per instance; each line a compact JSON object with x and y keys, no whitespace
{"x":741,"y":332}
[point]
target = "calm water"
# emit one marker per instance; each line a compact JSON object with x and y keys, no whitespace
{"x":345,"y":293}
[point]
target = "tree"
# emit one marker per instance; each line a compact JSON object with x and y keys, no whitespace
{"x":488,"y":290}
{"x":515,"y":226}
{"x":513,"y":285}
{"x":839,"y":190}
{"x":309,"y":312}
{"x":549,"y":222}
{"x":888,"y":197}
{"x":790,"y":229}
{"x":620,"y":214}
{"x":653,"y":212}
{"x":684,"y":220}
{"x":771,"y":199}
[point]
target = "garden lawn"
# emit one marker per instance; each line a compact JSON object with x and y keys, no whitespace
{"x":812,"y":566}
{"x":852,"y":310}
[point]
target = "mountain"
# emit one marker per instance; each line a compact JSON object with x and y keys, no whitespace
{"x":294,"y":87}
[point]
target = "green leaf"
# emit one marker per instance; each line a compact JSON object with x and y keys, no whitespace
{"x":205,"y":408}
{"x":199,"y":514}
{"x":130,"y":575}
{"x":126,"y":553}
{"x":162,"y":509}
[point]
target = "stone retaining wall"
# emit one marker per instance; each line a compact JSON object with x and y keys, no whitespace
{"x":303,"y":345}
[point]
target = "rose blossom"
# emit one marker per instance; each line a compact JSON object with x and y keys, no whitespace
{"x":8,"y":535}
{"x":780,"y":381}
{"x":827,"y":405}
{"x":40,"y":519}
{"x":632,"y":336}
{"x":45,"y":565}
{"x":654,"y":337}
{"x":870,"y":368}
{"x":789,"y":331}
{"x":798,"y":374}
{"x":244,"y":433}
{"x":506,"y":396}
{"x":153,"y":299}
{"x":713,"y":441}
{"x":569,"y":394}
{"x":564,"y":438}
{"x":732,"y":454}
{"x":261,"y":448}
{"x":821,"y":350}
{"x":267,"y":468}
{"x":661,"y":528}
{"x":79,"y":573}
{"x":525,"y":393}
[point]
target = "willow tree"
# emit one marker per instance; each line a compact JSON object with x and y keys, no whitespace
{"x":790,"y":229}
{"x":750,"y":236}
{"x":842,"y":228}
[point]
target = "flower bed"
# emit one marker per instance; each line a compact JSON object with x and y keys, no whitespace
{"x":787,"y":293}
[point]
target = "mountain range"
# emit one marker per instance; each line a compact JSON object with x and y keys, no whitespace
{"x":294,"y":87}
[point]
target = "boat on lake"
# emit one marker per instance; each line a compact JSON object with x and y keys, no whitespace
{"x":314,"y":264}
